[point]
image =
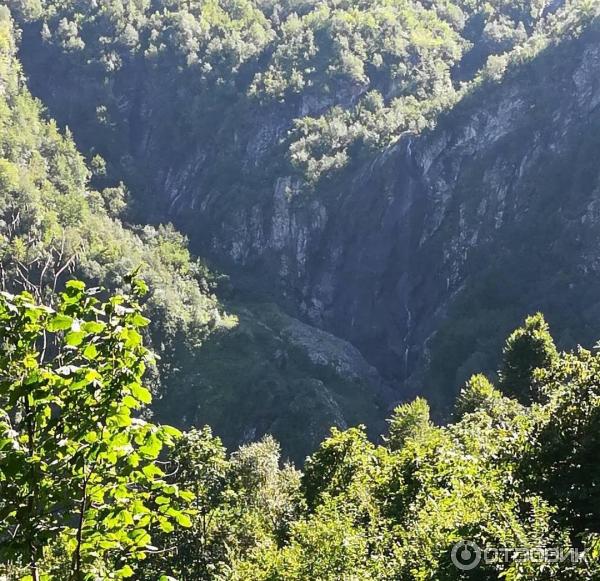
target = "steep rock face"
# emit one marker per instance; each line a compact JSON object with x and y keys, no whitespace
{"x":423,"y":257}
{"x":502,"y":196}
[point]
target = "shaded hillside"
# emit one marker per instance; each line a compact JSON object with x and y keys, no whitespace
{"x":273,"y":374}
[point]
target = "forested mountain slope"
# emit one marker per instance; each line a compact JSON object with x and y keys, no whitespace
{"x":357,"y":163}
{"x":53,"y":226}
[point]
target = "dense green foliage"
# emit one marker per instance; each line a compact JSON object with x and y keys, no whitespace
{"x":502,"y":475}
{"x":80,"y":487}
{"x":84,"y":496}
{"x":54,"y":224}
{"x":347,"y":77}
{"x":241,"y":501}
{"x":527,"y":349}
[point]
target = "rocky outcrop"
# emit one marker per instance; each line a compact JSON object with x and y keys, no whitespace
{"x":274,"y":374}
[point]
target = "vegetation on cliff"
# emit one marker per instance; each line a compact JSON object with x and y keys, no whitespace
{"x":53,"y":225}
{"x":345,"y":78}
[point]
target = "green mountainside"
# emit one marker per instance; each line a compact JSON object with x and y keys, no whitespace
{"x":273,"y":374}
{"x":300,"y":87}
{"x":54,"y":226}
